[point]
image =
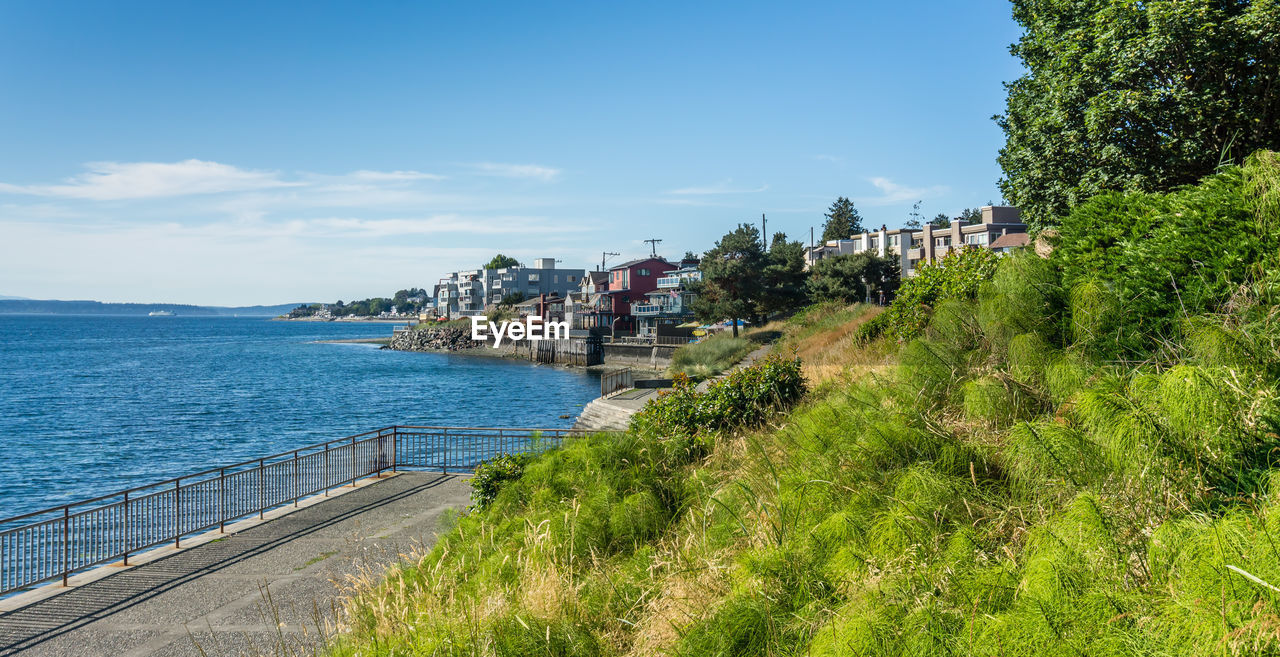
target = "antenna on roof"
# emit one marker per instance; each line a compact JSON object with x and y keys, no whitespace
{"x":604,"y":256}
{"x":654,"y":244}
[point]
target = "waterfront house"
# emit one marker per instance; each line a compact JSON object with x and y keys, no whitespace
{"x":629,"y":284}
{"x":670,"y":304}
{"x":589,"y":309}
{"x":911,"y":247}
{"x":469,"y":292}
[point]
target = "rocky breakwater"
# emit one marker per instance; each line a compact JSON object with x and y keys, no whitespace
{"x":433,"y":339}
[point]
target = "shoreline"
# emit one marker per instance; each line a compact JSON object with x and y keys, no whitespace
{"x":360,"y":320}
{"x":489,"y":352}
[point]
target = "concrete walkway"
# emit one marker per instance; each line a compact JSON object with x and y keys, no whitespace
{"x":266,"y":590}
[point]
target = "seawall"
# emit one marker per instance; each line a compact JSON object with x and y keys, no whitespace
{"x":569,"y":351}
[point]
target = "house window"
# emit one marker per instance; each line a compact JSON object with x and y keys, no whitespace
{"x":643,"y":272}
{"x":977,"y":239}
{"x":555,"y":278}
{"x":942,"y":241}
{"x":875,"y":243}
{"x":893,"y":240}
{"x":572,"y":279}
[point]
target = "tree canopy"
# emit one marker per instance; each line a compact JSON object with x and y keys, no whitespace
{"x":784,"y":277}
{"x":853,"y":277}
{"x":1135,"y":96}
{"x":843,"y":220}
{"x":502,"y":262}
{"x":732,"y":277}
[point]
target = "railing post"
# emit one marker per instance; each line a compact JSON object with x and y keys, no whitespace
{"x":295,"y":478}
{"x":395,"y":447}
{"x":262,"y":487}
{"x":177,"y":513}
{"x":66,"y":543}
{"x":326,"y":470}
{"x":124,"y":531}
{"x":222,"y":500}
{"x":353,"y":462}
{"x":445,"y":467}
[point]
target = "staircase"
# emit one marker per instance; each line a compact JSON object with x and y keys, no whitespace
{"x":605,"y":415}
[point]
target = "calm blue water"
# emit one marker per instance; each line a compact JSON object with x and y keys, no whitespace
{"x":89,"y":405}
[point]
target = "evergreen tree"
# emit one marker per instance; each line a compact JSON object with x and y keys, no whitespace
{"x":784,"y":277}
{"x":852,"y":278}
{"x":732,"y":277}
{"x":843,"y":220}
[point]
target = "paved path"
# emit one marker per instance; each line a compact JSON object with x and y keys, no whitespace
{"x":264,"y":590}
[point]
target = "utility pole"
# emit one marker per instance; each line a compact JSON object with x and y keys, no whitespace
{"x":764,"y":232}
{"x":605,"y":256}
{"x":654,"y":244}
{"x":810,"y":237}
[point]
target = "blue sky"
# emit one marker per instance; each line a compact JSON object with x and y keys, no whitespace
{"x":237,"y":153}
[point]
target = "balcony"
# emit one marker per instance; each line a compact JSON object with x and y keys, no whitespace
{"x":915,"y":253}
{"x":645,"y":310}
{"x":667,"y":282}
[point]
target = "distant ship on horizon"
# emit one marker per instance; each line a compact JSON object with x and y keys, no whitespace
{"x":160,"y":313}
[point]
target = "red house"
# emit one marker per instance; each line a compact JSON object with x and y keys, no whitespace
{"x":629,"y":282}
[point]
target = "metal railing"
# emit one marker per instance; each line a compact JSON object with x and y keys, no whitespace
{"x":57,"y":542}
{"x":615,"y":381}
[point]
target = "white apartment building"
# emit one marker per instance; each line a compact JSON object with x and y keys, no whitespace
{"x":911,"y":247}
{"x":469,"y":292}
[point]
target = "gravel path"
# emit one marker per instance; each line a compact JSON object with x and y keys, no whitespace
{"x":265,"y":590}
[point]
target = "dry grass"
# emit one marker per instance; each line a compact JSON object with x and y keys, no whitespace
{"x":827,"y":343}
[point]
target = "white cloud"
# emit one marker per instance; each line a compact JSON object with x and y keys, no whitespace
{"x":724,"y":187}
{"x":394,"y":176}
{"x":891,"y":192}
{"x":527,"y":171}
{"x":111,"y":181}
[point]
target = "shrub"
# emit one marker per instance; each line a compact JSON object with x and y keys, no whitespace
{"x":956,"y":276}
{"x":491,"y":475}
{"x":744,"y":398}
{"x":1162,"y":257}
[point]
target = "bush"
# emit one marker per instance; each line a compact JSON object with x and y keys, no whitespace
{"x":1162,"y":257}
{"x":491,"y":475}
{"x":957,"y":275}
{"x":744,"y":398}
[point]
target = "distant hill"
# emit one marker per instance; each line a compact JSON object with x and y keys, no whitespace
{"x":4,"y":297}
{"x":15,"y":305}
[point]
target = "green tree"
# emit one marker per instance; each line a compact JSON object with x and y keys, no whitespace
{"x":843,"y":220}
{"x":972,"y":215}
{"x":511,"y":298}
{"x":940,"y":220}
{"x":784,"y":277}
{"x":732,"y":275}
{"x":502,"y":262}
{"x":852,"y":278}
{"x":1135,"y":96}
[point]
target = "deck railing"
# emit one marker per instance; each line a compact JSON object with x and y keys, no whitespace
{"x":616,"y":381}
{"x":55,"y":543}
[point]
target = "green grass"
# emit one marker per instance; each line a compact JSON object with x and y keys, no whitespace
{"x":999,"y":489}
{"x":711,"y":356}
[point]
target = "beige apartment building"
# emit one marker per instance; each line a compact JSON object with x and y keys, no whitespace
{"x":1001,"y":229}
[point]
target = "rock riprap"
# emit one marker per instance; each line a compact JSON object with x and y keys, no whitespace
{"x":433,"y":339}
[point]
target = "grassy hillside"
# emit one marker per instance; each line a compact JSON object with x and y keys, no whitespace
{"x":1074,"y":457}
